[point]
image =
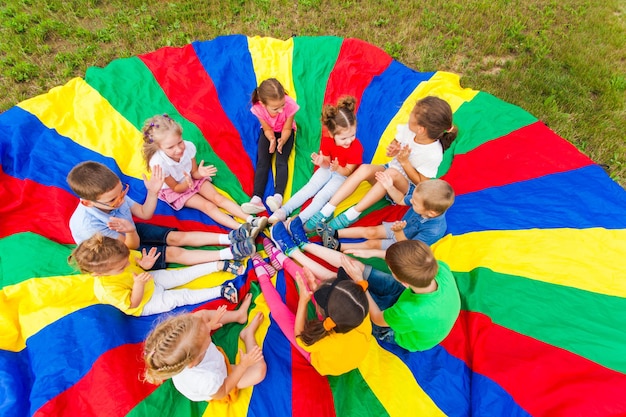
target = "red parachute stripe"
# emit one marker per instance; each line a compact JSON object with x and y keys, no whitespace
{"x":111,"y":388}
{"x":344,"y":79}
{"x":531,"y":370}
{"x":186,"y":83}
{"x":31,"y":205}
{"x":514,"y":158}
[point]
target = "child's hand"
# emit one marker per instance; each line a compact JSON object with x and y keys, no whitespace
{"x":188,"y":180}
{"x":317,"y":159}
{"x":272,"y":147}
{"x":398,"y":226}
{"x":334,"y":164}
{"x":214,"y":321}
{"x":393,"y":148}
{"x":305,"y":293}
{"x":250,"y":358}
{"x":353,"y":268}
{"x":206,"y":171}
{"x":120,"y":225}
{"x":403,"y":154}
{"x":154,"y":184}
{"x":384,"y":179}
{"x":148,"y":259}
{"x":281,"y":143}
{"x":141,"y":278}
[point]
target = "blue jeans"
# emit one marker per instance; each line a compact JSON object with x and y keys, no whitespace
{"x":385,"y":290}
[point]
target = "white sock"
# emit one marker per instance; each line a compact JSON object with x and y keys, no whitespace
{"x":352,"y":213}
{"x":328,"y":210}
{"x":249,"y":218}
{"x":224,"y":240}
{"x":226,"y":253}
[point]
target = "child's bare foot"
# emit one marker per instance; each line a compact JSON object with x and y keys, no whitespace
{"x":242,"y":311}
{"x":247,"y":334}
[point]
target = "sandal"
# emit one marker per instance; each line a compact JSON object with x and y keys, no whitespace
{"x":329,"y":240}
{"x":229,"y":292}
{"x":272,"y":251}
{"x":233,"y":267}
{"x":257,"y":260}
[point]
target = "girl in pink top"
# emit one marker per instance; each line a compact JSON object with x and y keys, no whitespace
{"x":275,"y":110}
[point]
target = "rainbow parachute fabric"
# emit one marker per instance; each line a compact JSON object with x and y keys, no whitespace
{"x":536,"y":240}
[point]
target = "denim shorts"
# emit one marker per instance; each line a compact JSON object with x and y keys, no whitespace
{"x":153,"y":236}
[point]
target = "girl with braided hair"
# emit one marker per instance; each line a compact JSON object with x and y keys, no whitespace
{"x":181,"y":348}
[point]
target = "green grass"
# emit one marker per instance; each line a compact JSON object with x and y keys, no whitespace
{"x":563,"y":61}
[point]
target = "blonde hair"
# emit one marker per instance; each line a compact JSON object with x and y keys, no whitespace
{"x":412,"y":262}
{"x":96,"y":254}
{"x":89,"y":180}
{"x":172,"y":346}
{"x":340,"y":116}
{"x":156,"y":129}
{"x":270,"y":89}
{"x":435,"y":115}
{"x":437,"y":195}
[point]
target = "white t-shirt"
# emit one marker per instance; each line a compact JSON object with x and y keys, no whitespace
{"x":172,"y":168}
{"x":424,"y":158}
{"x":202,"y":381}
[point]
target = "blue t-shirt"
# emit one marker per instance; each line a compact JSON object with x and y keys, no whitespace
{"x":427,"y":229}
{"x":87,"y":221}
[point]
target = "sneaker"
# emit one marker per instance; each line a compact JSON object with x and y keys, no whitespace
{"x":258,"y":261}
{"x":242,"y":233}
{"x":297,"y":231}
{"x":274,"y":202}
{"x":258,"y":224}
{"x":340,"y":222}
{"x":329,"y":240}
{"x":243,"y":249}
{"x":272,"y":251}
{"x":310,"y":224}
{"x":255,"y":206}
{"x":282,"y":238}
{"x":279,"y":215}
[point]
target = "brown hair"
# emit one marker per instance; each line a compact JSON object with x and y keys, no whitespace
{"x":412,"y":262}
{"x":435,"y":115}
{"x":339,"y":116}
{"x":95,"y":254}
{"x":346,"y":305}
{"x":171,"y":346}
{"x":437,"y":195}
{"x":270,"y":89}
{"x":154,"y":130}
{"x":89,"y":180}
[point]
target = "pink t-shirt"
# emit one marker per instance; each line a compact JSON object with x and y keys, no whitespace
{"x":351,"y":155}
{"x":277,"y":122}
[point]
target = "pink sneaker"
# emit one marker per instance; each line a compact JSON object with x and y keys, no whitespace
{"x":272,"y":251}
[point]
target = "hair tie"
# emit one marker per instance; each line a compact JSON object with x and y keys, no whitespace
{"x":449,"y":130}
{"x":329,"y":324}
{"x":363,"y":284}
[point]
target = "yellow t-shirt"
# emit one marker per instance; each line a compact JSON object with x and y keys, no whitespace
{"x":339,"y":353}
{"x":116,"y":289}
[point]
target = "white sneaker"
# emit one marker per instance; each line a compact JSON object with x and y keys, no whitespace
{"x":258,"y":224}
{"x":274,"y":202}
{"x":253,"y":207}
{"x":279,"y":215}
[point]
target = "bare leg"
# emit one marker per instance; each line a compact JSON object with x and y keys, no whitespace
{"x":331,"y":256}
{"x":255,"y":373}
{"x":210,"y":193}
{"x":367,"y":244}
{"x":230,"y":316}
{"x":176,"y":238}
{"x":201,"y":203}
{"x":366,"y":232}
{"x":364,"y":172}
{"x":183,"y":256}
{"x":318,"y":270}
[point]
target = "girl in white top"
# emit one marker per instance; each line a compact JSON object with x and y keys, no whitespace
{"x":181,"y":348}
{"x":187,"y":183}
{"x":417,"y":152}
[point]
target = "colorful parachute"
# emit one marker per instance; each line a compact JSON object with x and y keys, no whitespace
{"x":536,"y":240}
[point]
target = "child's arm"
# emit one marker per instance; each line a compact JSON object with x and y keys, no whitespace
{"x":303,"y":302}
{"x":320,"y":160}
{"x":269,"y":134}
{"x":200,"y":171}
{"x":246,"y":361}
{"x":398,"y":230}
{"x":127,"y":230}
{"x":355,"y":269}
{"x":284,"y":135}
{"x":139,"y":283}
{"x":345,"y":171}
{"x":376,"y":314}
{"x":393,"y":148}
{"x":387,"y":182}
{"x":153,"y":186}
{"x":414,"y":175}
{"x":148,"y":259}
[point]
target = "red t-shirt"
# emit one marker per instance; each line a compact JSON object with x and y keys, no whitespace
{"x":351,"y":155}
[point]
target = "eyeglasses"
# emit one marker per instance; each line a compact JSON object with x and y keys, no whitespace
{"x":115,"y":203}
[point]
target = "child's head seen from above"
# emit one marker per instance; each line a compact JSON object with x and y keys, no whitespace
{"x":434,"y":115}
{"x":340,"y":121}
{"x":412,"y":263}
{"x":432,"y":198}
{"x":100,"y":255}
{"x":94,"y":182}
{"x":271,"y":94}
{"x":174,"y":344}
{"x":162,"y":133}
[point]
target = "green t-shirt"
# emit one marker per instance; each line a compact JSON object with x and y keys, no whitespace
{"x":421,"y":321}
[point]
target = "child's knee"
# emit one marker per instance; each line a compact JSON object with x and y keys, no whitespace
{"x":174,"y":238}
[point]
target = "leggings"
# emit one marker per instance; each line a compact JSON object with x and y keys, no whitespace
{"x":280,"y":312}
{"x":264,"y":162}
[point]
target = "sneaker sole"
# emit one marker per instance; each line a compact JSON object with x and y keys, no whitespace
{"x":250,"y":208}
{"x":257,"y":229}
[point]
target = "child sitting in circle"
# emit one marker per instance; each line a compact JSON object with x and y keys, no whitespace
{"x":187,"y":183}
{"x":120,"y":278}
{"x":181,"y":348}
{"x":340,"y":154}
{"x":425,"y":221}
{"x":106,"y":208}
{"x":338,"y":339}
{"x":275,"y":111}
{"x":417,"y":152}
